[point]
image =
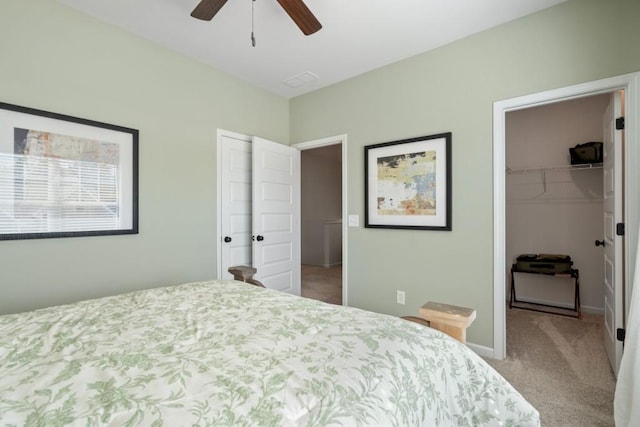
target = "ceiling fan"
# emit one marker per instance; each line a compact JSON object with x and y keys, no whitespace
{"x":297,"y":10}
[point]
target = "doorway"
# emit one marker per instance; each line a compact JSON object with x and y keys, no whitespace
{"x":321,"y":223}
{"x":555,"y":207}
{"x":323,"y":218}
{"x":630,"y":84}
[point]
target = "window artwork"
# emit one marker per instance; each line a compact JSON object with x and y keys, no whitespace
{"x":60,"y":179}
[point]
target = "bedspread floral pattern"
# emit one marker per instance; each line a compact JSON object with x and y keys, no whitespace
{"x":230,"y":354}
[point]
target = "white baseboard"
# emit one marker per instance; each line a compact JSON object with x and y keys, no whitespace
{"x":585,"y":308}
{"x":481,"y":350}
{"x":593,"y":310}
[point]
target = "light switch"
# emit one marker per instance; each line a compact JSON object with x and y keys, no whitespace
{"x":354,"y":220}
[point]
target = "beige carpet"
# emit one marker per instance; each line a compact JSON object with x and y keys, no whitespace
{"x":559,"y":365}
{"x":324,"y":284}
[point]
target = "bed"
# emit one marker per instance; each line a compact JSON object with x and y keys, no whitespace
{"x":231,"y":354}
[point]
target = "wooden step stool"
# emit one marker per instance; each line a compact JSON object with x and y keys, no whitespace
{"x":450,"y":319}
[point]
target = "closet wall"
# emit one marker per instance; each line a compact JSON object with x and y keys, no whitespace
{"x":552,"y":208}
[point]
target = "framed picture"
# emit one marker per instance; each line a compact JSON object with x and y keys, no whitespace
{"x":63,"y":176}
{"x":408,"y":183}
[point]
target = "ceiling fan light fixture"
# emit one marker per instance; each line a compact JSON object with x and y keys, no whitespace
{"x":253,"y":22}
{"x":207,"y":9}
{"x":301,"y":15}
{"x":296,"y":9}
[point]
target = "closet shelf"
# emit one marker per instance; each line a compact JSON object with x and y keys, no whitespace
{"x":511,"y":171}
{"x":545,"y":170}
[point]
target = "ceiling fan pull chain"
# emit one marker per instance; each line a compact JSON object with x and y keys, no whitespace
{"x":253,"y":20}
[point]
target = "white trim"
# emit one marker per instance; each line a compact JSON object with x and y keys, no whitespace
{"x":499,"y":233}
{"x":323,"y":142}
{"x":630,"y":84}
{"x":481,"y":350}
{"x":592,"y":310}
{"x":220,"y":133}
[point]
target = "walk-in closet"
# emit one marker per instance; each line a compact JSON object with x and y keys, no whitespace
{"x":552,"y":206}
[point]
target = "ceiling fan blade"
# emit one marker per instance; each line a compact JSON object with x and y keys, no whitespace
{"x":207,"y":9}
{"x":301,"y":15}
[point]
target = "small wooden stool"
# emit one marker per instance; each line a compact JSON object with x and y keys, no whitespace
{"x":450,"y":319}
{"x":418,"y":320}
{"x":245,"y":273}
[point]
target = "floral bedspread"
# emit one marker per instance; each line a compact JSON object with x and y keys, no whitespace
{"x":230,"y":354}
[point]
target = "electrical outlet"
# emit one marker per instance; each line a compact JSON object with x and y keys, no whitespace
{"x":400,"y":297}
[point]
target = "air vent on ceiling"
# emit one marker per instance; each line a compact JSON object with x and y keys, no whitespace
{"x":300,"y":79}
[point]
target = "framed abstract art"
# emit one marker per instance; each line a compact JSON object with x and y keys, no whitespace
{"x":408,"y":183}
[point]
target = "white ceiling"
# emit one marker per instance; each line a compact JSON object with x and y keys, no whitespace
{"x":357,"y":35}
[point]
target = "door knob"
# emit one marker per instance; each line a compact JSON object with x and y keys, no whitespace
{"x":227,"y":239}
{"x":260,"y":238}
{"x":600,"y":243}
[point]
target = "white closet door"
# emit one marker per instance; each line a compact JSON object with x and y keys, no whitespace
{"x":235,"y":204}
{"x":613,"y":259}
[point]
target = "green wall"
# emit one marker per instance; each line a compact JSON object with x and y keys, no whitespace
{"x":56,"y":59}
{"x":453,"y":89}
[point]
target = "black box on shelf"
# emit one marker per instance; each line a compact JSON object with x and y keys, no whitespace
{"x":589,"y":152}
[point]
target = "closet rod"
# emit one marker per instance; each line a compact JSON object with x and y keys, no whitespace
{"x":587,"y":166}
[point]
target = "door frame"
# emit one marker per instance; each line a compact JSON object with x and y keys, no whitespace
{"x":324,"y":142}
{"x":630,"y":83}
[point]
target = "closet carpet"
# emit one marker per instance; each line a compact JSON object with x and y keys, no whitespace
{"x":559,"y":364}
{"x":324,"y":284}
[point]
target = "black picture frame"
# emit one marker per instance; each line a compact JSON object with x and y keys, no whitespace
{"x":30,"y":137}
{"x":408,"y":183}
